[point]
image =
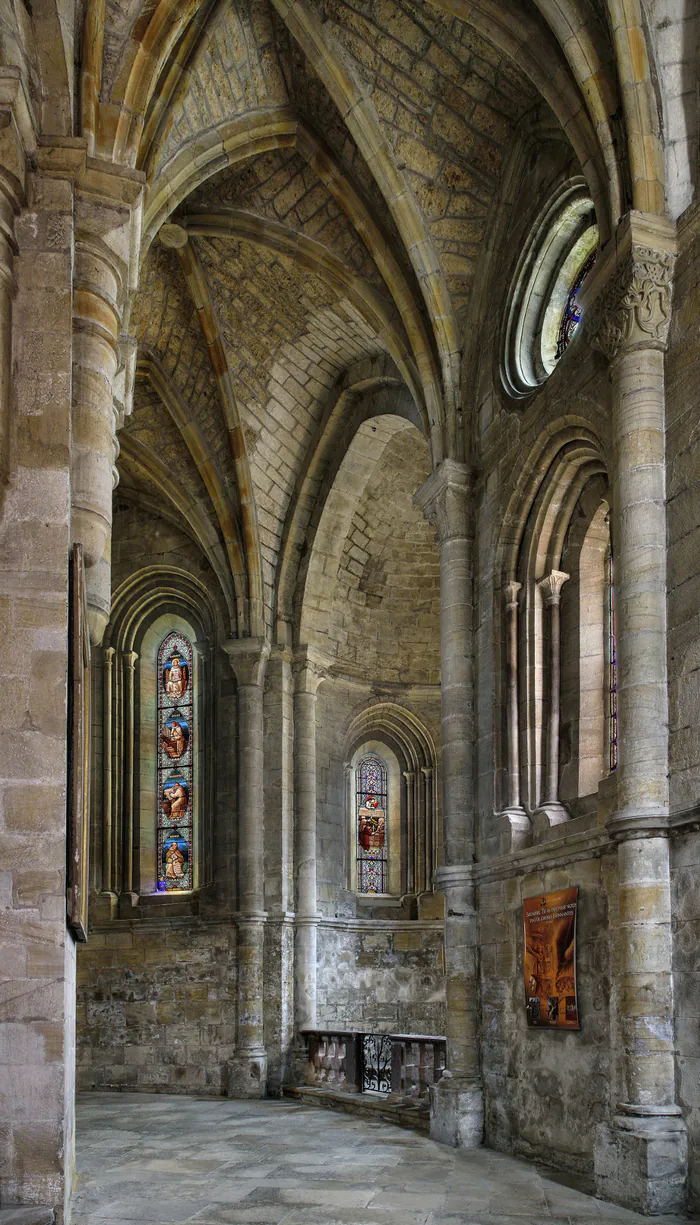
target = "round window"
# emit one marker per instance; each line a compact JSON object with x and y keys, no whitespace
{"x":543,"y":311}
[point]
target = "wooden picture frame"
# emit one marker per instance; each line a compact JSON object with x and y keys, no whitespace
{"x":78,"y":815}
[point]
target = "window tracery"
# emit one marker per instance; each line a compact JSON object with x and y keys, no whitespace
{"x":175,"y":793}
{"x":371,"y":796}
{"x":571,"y":315}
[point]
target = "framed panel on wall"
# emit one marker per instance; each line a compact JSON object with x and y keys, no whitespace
{"x":549,"y":960}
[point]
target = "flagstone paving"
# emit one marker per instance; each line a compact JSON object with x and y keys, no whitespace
{"x":157,"y":1158}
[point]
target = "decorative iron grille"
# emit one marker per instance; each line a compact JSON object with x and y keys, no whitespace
{"x":376,"y":1063}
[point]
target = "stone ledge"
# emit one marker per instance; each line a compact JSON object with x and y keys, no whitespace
{"x":26,"y":1216}
{"x":401,"y":1114}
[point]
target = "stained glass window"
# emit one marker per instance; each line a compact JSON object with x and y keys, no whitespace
{"x":571,"y":315}
{"x":612,"y":658}
{"x":175,"y":732}
{"x":372,"y":812}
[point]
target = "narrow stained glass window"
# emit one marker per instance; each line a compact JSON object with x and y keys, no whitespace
{"x":175,"y":763}
{"x":571,"y":315}
{"x":371,"y":799}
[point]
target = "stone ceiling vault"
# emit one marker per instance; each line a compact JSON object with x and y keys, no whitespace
{"x":333,"y":168}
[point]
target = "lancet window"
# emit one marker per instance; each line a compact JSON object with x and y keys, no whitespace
{"x":371,"y":798}
{"x":175,"y":755}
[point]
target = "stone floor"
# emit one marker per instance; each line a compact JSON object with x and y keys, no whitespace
{"x":216,"y":1162}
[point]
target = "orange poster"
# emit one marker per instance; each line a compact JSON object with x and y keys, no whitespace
{"x":549,"y":944}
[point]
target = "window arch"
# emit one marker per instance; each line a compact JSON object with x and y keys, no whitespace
{"x":391,"y":759}
{"x":542,"y":311}
{"x":556,"y":667}
{"x":372,"y":825}
{"x":175,"y":734}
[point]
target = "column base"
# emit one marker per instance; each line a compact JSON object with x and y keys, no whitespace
{"x":642,"y":1163}
{"x":513,"y":830}
{"x":247,"y":1075}
{"x":552,"y":812}
{"x":457,"y":1112}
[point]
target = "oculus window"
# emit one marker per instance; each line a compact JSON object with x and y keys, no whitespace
{"x":543,"y":311}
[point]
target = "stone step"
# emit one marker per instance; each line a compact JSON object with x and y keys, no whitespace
{"x":26,"y":1216}
{"x":369,"y":1106}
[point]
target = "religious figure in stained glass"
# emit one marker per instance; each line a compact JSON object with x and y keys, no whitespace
{"x":571,"y":315}
{"x":371,"y":799}
{"x":176,"y":731}
{"x":175,"y":735}
{"x":175,"y":675}
{"x":175,"y":854}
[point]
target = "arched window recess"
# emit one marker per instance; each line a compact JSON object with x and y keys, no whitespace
{"x":392,"y":815}
{"x":556,"y":718}
{"x":153,"y":772}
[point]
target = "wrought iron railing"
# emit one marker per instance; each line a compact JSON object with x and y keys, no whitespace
{"x":400,"y":1066}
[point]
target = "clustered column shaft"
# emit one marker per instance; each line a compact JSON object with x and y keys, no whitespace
{"x":642,"y":1159}
{"x":512,"y":591}
{"x":248,"y":1068}
{"x":307,"y":677}
{"x":551,"y":586}
{"x":457,"y":1109}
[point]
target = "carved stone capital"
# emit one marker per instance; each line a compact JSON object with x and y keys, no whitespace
{"x":444,"y":499}
{"x":309,"y":667}
{"x":551,"y":586}
{"x":627,"y":299}
{"x":635,"y":309}
{"x":248,"y":657}
{"x":511,"y":592}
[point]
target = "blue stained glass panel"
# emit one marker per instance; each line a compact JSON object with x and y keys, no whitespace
{"x":571,"y":316}
{"x":371,"y":825}
{"x":175,"y":735}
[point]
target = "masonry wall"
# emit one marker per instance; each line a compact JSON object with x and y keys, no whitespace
{"x":683,"y":485}
{"x":546,"y":1090}
{"x":37,"y":958}
{"x":379,"y":965}
{"x":157,"y":1007}
{"x":382,"y":975}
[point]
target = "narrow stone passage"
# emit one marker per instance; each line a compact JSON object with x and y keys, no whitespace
{"x":150,"y":1157}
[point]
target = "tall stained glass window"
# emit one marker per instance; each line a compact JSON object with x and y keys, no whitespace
{"x":571,"y":315}
{"x":176,"y":732}
{"x":372,"y":812}
{"x":612,"y":664}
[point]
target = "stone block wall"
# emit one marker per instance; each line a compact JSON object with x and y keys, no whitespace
{"x":685,"y":872}
{"x":383,"y":976}
{"x":157,"y":1007}
{"x":683,"y":481}
{"x":37,"y":1026}
{"x":546,"y":1090}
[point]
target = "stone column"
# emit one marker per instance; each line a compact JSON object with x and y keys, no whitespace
{"x":308,"y":674}
{"x":247,"y":1070}
{"x":518,"y":822}
{"x":412,"y":842}
{"x":106,"y":260}
{"x":128,"y":895}
{"x":10,"y":203}
{"x":428,"y":863}
{"x":641,"y":1157}
{"x":457,"y":1102}
{"x":551,"y":807}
